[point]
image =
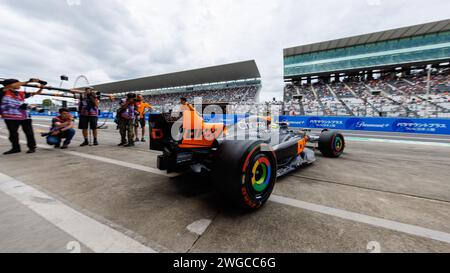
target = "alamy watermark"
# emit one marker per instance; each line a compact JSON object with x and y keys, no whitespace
{"x":254,"y":122}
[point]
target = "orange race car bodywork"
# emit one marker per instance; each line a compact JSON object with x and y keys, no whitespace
{"x":196,"y":135}
{"x":199,"y":134}
{"x":246,"y":161}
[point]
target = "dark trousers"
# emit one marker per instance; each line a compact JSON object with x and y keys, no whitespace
{"x":27,"y":127}
{"x":67,"y":135}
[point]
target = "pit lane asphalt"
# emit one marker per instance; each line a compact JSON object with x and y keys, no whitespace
{"x":401,"y":182}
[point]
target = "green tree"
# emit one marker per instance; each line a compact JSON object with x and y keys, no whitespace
{"x":47,"y":103}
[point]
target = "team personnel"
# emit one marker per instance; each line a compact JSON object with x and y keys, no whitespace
{"x":125,"y":119}
{"x":62,"y":128}
{"x":14,"y":111}
{"x":142,"y":108}
{"x":88,"y":111}
{"x":185,"y":106}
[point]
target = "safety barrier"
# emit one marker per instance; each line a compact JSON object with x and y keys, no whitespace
{"x":396,"y":125}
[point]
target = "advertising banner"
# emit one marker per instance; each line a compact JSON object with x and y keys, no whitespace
{"x":397,"y":125}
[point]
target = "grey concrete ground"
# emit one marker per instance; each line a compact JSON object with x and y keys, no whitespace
{"x":401,"y":182}
{"x":22,"y":231}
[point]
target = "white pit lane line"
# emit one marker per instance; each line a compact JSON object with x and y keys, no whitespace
{"x":95,"y":235}
{"x":41,"y":125}
{"x":392,"y":141}
{"x":109,"y":160}
{"x":347,"y":215}
{"x":365,"y":219}
{"x":121,"y":163}
{"x":397,"y":137}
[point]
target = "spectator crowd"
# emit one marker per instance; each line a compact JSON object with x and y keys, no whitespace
{"x":392,"y":96}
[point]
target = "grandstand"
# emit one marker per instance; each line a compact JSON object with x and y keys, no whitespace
{"x":402,"y":72}
{"x":236,"y":83}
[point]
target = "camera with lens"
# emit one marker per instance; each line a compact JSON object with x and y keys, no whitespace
{"x":132,"y":97}
{"x":26,"y":106}
{"x":23,"y":106}
{"x":39,"y":81}
{"x":96,"y":95}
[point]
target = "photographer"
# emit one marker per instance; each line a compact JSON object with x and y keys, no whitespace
{"x":62,"y":128}
{"x":88,"y":111}
{"x":125,"y":117}
{"x":14,"y":111}
{"x":141,"y":108}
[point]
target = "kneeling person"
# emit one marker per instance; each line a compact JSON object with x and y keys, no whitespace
{"x":62,"y":128}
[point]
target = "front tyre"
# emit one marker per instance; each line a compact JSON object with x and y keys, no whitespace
{"x":331,"y":144}
{"x":245,"y":173}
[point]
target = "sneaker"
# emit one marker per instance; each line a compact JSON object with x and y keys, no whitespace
{"x":11,"y":152}
{"x":130,"y":145}
{"x":95,"y":143}
{"x":57,"y":146}
{"x":136,"y":140}
{"x":31,"y":151}
{"x":85,"y":143}
{"x":143,"y":140}
{"x":65,"y":146}
{"x":121,"y":144}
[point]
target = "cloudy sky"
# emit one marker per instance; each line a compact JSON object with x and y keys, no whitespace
{"x":109,"y":40}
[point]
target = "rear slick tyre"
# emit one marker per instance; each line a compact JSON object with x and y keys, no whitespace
{"x":245,"y":173}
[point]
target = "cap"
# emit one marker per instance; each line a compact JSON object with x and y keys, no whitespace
{"x":8,"y":82}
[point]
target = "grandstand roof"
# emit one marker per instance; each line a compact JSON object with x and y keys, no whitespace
{"x":222,"y":73}
{"x":371,"y":38}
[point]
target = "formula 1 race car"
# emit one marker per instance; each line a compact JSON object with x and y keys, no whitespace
{"x":245,"y":159}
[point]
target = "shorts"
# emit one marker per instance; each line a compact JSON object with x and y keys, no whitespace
{"x":87,"y":122}
{"x":140,"y":123}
